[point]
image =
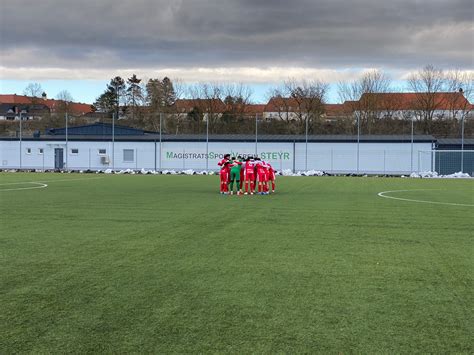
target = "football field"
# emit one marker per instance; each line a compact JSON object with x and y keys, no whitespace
{"x":162,"y":263}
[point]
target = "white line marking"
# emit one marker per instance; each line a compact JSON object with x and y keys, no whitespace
{"x":41,"y":186}
{"x":382,"y":194}
{"x":41,"y":181}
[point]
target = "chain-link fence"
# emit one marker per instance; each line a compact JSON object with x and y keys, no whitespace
{"x":171,"y":141}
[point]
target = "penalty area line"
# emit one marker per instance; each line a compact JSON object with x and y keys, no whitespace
{"x":382,"y":194}
{"x":40,"y":186}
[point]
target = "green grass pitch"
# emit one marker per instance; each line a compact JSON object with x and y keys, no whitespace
{"x":132,"y":263}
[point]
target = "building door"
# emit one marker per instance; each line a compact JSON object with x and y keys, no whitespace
{"x":58,"y":158}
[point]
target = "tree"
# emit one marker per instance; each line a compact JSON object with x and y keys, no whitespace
{"x":426,"y":83}
{"x":161,"y":96}
{"x":110,"y":100}
{"x":105,"y":102}
{"x":236,"y":100}
{"x":461,"y":83}
{"x":310,"y":97}
{"x":300,"y":103}
{"x":367,"y":109}
{"x":208,"y":98}
{"x":65,"y":96}
{"x":134,"y":94}
{"x":33,"y":90}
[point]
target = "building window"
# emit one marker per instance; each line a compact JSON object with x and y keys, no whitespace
{"x":128,"y":155}
{"x":74,"y":151}
{"x":28,"y":150}
{"x":40,"y":151}
{"x":102,"y":151}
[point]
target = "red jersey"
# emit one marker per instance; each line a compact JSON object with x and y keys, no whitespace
{"x":271,"y":172}
{"x":260,"y":167}
{"x":223,"y":164}
{"x":249,"y":168}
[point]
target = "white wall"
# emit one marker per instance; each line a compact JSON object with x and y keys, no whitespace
{"x":374,"y":158}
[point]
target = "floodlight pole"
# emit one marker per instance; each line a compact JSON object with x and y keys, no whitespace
{"x":358,"y":141}
{"x":113,"y":141}
{"x":207,"y":142}
{"x":256,"y":134}
{"x":67,"y":164}
{"x":161,"y":120}
{"x":411,"y":154}
{"x":20,"y":139}
{"x":306,"y":145}
{"x":462,"y":144}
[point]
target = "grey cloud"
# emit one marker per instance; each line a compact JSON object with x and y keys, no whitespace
{"x":324,"y":33}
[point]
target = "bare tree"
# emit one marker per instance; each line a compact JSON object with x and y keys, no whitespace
{"x":65,"y":96}
{"x":310,"y":97}
{"x":361,"y":96}
{"x":33,"y":90}
{"x":426,"y":84}
{"x":236,"y":99}
{"x":461,"y":86}
{"x":207,"y":98}
{"x":281,"y":105}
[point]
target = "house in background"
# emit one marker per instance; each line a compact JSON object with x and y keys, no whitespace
{"x":439,"y":105}
{"x":206,"y":107}
{"x":35,"y":107}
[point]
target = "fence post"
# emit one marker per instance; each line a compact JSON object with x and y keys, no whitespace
{"x":384,"y":164}
{"x":418,"y":165}
{"x":358,"y":141}
{"x":294,"y":156}
{"x":332,"y":161}
{"x":462,"y":144}
{"x":161,"y":146}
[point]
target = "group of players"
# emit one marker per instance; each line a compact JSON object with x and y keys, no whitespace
{"x":251,"y":174}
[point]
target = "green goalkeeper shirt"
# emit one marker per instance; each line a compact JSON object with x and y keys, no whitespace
{"x":236,"y":167}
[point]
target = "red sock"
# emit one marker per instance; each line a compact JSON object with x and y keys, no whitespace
{"x":273,"y":185}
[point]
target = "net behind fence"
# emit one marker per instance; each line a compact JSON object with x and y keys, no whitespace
{"x":446,"y":162}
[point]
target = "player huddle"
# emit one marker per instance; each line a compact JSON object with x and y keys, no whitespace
{"x":252,"y":175}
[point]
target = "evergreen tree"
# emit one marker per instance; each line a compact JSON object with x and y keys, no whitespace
{"x":109,"y":101}
{"x":161,"y":95}
{"x":134,"y":93}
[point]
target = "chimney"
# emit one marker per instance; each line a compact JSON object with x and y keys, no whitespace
{"x":44,"y":96}
{"x":461,"y":90}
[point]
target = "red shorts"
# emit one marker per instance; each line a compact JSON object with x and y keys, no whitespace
{"x":262,"y":177}
{"x":249,"y":177}
{"x":224,"y":174}
{"x":271,"y":176}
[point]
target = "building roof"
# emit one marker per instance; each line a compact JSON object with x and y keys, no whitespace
{"x":205,"y":105}
{"x":337,"y":110}
{"x":253,"y":109}
{"x":289,"y":104}
{"x":74,"y":107}
{"x":455,"y":141}
{"x":413,"y":101}
{"x":279,"y":104}
{"x":96,"y":129}
{"x":249,"y":138}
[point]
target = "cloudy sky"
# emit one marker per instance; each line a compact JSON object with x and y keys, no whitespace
{"x":79,"y":45}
